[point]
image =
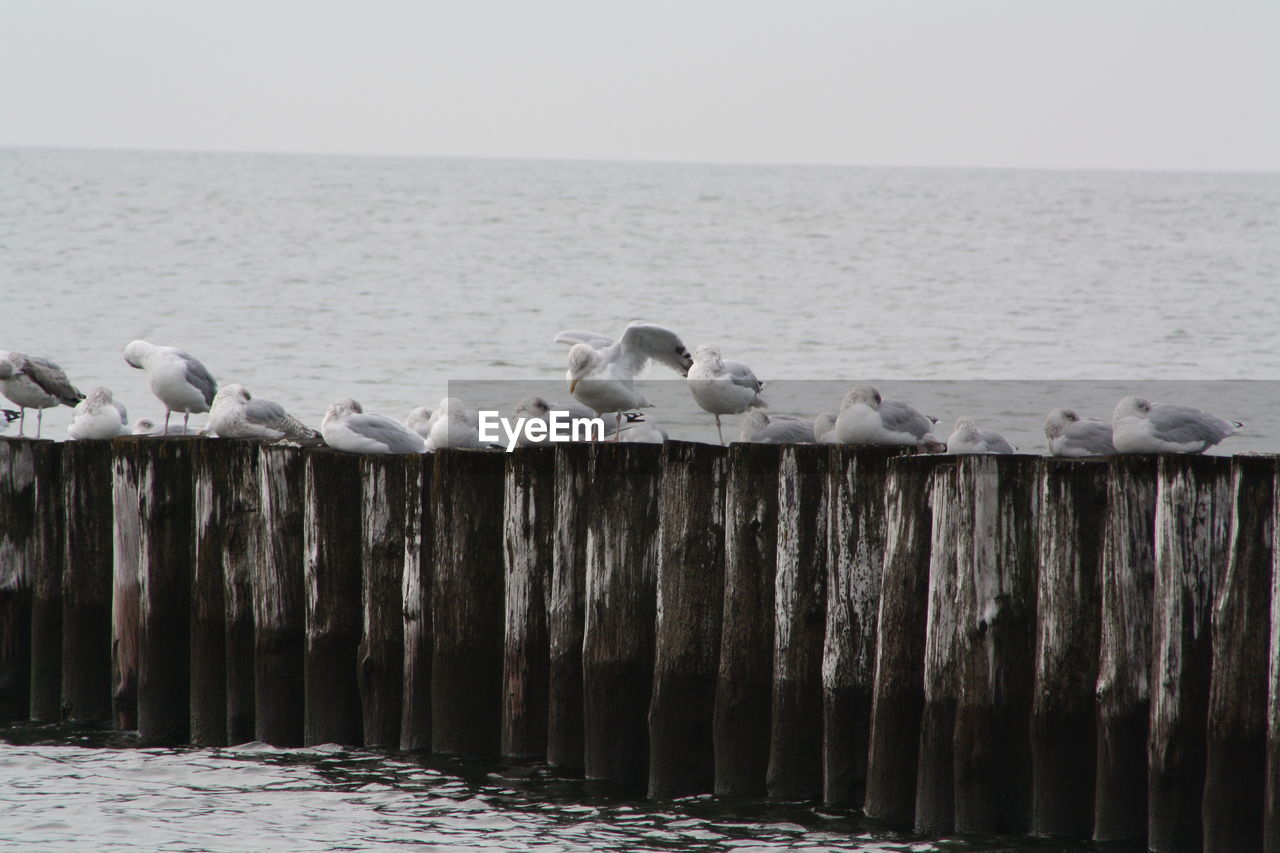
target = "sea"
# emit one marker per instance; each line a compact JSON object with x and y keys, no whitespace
{"x":994,"y":294}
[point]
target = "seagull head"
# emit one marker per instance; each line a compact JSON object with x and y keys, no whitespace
{"x":707,"y":354}
{"x":233,"y":393}
{"x":136,"y":352}
{"x":966,"y":429}
{"x":533,"y":407}
{"x":340,"y":409}
{"x":1131,"y":407}
{"x":583,"y":361}
{"x":1057,"y":421}
{"x":864,"y":394}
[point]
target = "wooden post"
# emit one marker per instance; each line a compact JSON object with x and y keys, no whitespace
{"x":1192,"y":524}
{"x":384,"y":482}
{"x":17,"y":552}
{"x":567,"y":605}
{"x":690,"y":590}
{"x":1271,"y":802}
{"x":46,"y":604}
{"x":935,"y":783}
{"x":996,"y":600}
{"x":332,"y":570}
{"x":618,"y":644}
{"x":242,"y":523}
{"x":87,"y":581}
{"x":744,"y":686}
{"x":415,"y":717}
{"x":855,"y":563}
{"x":126,"y":588}
{"x":159,"y":474}
{"x":529,"y":531}
{"x":1128,"y":578}
{"x":466,"y":602}
{"x":795,"y":748}
{"x":1236,"y":746}
{"x":279,"y":609}
{"x":1073,"y":502}
{"x":898,"y":688}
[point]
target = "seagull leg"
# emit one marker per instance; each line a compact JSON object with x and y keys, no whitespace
{"x":39,"y":422}
{"x":719,"y":431}
{"x":186,"y":416}
{"x":617,"y":429}
{"x":22,"y":421}
{"x":166,"y":422}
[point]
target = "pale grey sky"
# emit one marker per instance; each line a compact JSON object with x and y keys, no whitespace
{"x":1150,"y":84}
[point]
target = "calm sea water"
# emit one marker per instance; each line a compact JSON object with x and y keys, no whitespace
{"x":311,"y":278}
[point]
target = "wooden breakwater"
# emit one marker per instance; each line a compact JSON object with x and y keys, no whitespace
{"x":1077,"y":648}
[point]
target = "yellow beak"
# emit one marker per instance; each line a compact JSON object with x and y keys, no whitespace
{"x":573,"y":383}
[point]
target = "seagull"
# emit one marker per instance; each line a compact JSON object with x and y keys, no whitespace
{"x":237,"y":414}
{"x":824,"y":428}
{"x":34,"y":383}
{"x":99,"y":416}
{"x":420,"y":421}
{"x":452,"y":425}
{"x":866,"y":418}
{"x":642,"y":431}
{"x":723,"y":387}
{"x":538,"y":409}
{"x":759,"y":428}
{"x":967,"y":438}
{"x":180,"y":381}
{"x":1141,"y":427}
{"x":347,"y":427}
{"x":602,"y":371}
{"x":1071,"y":436}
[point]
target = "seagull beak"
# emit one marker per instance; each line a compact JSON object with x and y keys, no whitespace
{"x":573,"y":383}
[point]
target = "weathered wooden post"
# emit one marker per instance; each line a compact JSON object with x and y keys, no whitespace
{"x":385,"y":481}
{"x":17,"y":552}
{"x":279,"y":608}
{"x":126,"y":588}
{"x":332,"y":571}
{"x":935,"y":782}
{"x":744,"y":686}
{"x":415,"y":716}
{"x":1073,"y":503}
{"x":795,"y":748}
{"x":529,"y":530}
{"x":618,"y":643}
{"x":898,"y":687}
{"x":855,"y":563}
{"x":1271,"y":802}
{"x":567,"y":604}
{"x":1192,"y":523}
{"x":996,"y":598}
{"x":690,"y":598}
{"x":86,"y":580}
{"x":158,"y":472}
{"x":1235,"y":769}
{"x":1124,"y":657}
{"x":466,"y":602}
{"x":227,"y":492}
{"x":46,"y":603}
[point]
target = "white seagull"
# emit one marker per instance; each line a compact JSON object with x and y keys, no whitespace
{"x":98,"y":416}
{"x":237,"y":414}
{"x":866,"y":418}
{"x":759,"y":428}
{"x":1071,"y":436}
{"x":539,"y":409}
{"x":602,"y":371}
{"x":967,"y":438}
{"x":824,"y":428}
{"x":346,"y":427}
{"x":452,"y":425}
{"x":420,"y":421}
{"x":35,"y":383}
{"x":180,"y":381}
{"x":1141,"y":427}
{"x":723,"y":387}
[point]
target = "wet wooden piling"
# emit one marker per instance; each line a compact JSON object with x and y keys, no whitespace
{"x":1124,"y":642}
{"x":415,"y":716}
{"x":87,"y":580}
{"x":567,"y":605}
{"x":744,"y":682}
{"x":1271,"y":793}
{"x":332,"y":572}
{"x":898,"y":687}
{"x":385,"y":481}
{"x":1192,"y":523}
{"x":996,"y":601}
{"x":795,"y":743}
{"x":529,"y":533}
{"x":618,"y":645}
{"x":855,"y":562}
{"x":467,"y":602}
{"x":279,"y":603}
{"x":126,"y":590}
{"x":690,"y":598}
{"x":935,"y":782}
{"x":241,"y":523}
{"x":1073,"y":496}
{"x":17,"y":553}
{"x":1236,"y":739}
{"x":46,"y":584}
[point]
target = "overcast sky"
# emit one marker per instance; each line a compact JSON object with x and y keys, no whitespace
{"x":1156,"y":84}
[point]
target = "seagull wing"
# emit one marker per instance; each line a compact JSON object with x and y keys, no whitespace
{"x":396,"y":437}
{"x":575,"y":336}
{"x":52,"y":380}
{"x":644,"y":342}
{"x":899,"y":417}
{"x":271,"y":415}
{"x":1183,"y":425}
{"x":198,"y":375}
{"x":740,"y":374}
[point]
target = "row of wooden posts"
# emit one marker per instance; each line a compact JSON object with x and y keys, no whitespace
{"x":1082,"y":648}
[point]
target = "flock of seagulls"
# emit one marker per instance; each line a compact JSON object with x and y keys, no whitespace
{"x":601,"y":379}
